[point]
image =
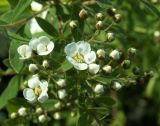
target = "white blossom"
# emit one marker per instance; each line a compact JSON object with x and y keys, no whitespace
{"x":62,"y":94}
{"x":37,"y":90}
{"x":99,"y":89}
{"x":42,"y":118}
{"x":22,"y":111}
{"x":115,"y":55}
{"x":42,"y":45}
{"x":24,"y":51}
{"x":61,"y":82}
{"x":94,"y":68}
{"x":80,"y":55}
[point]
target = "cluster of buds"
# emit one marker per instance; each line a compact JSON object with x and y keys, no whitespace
{"x":113,"y":13}
{"x":22,"y":112}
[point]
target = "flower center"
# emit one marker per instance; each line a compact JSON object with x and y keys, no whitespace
{"x":37,"y":91}
{"x":78,"y":57}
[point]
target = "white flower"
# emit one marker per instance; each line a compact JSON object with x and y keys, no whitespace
{"x":80,"y":54}
{"x":94,"y":68}
{"x":24,"y":51}
{"x":61,"y":82}
{"x":42,"y":118}
{"x":107,"y":69}
{"x":22,"y":111}
{"x":13,"y":115}
{"x":37,"y":90}
{"x":115,"y":55}
{"x":42,"y":45}
{"x":99,"y":89}
{"x":62,"y":94}
{"x":36,"y":6}
{"x":33,"y":68}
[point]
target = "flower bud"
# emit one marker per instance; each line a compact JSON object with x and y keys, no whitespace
{"x":57,"y":116}
{"x":73,"y":24}
{"x":126,"y":64}
{"x":99,"y":89}
{"x":117,"y":18}
{"x":107,"y":69}
{"x":157,"y":34}
{"x":99,"y":25}
{"x":115,"y":55}
{"x":13,"y":115}
{"x":62,"y":94}
{"x":39,"y":110}
{"x":83,"y":14}
{"x":42,"y":118}
{"x":61,"y":82}
{"x":99,"y":16}
{"x":116,"y":85}
{"x":57,"y":105}
{"x":132,"y":51}
{"x":111,"y":11}
{"x":33,"y":68}
{"x":100,"y":53}
{"x":45,"y":64}
{"x":110,"y":36}
{"x":94,"y":68}
{"x":36,"y":6}
{"x":22,"y":111}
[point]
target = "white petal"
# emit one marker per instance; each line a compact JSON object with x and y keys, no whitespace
{"x":41,"y":48}
{"x":24,"y":51}
{"x":33,"y":82}
{"x":83,"y":47}
{"x":34,"y":43}
{"x":44,"y":85}
{"x":29,"y":94}
{"x":81,"y":66}
{"x":90,"y":57}
{"x":94,"y":68}
{"x":71,"y":49}
{"x":44,"y":40}
{"x":43,"y":97}
{"x":34,"y":26}
{"x":36,"y":6}
{"x":50,"y":47}
{"x":71,"y":60}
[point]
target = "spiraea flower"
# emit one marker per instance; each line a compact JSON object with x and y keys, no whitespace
{"x":62,"y":94}
{"x":37,"y":90}
{"x":42,"y":45}
{"x":99,"y":89}
{"x":80,"y":55}
{"x":94,"y":68}
{"x":115,"y":55}
{"x":22,"y":111}
{"x":24,"y":51}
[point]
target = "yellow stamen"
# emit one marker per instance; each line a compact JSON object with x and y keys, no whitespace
{"x":78,"y":57}
{"x":37,"y":91}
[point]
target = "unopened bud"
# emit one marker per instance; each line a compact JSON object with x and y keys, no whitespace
{"x":57,"y":105}
{"x":99,"y":89}
{"x":107,"y":69}
{"x":45,"y":64}
{"x":33,"y":68}
{"x":126,"y":64}
{"x":94,"y":68}
{"x":22,"y":111}
{"x":62,"y":94}
{"x":83,"y":14}
{"x":42,"y":118}
{"x":116,"y":85}
{"x":117,"y":18}
{"x":99,"y":16}
{"x":99,"y":25}
{"x":132,"y":51}
{"x":111,"y":11}
{"x":101,"y":53}
{"x":57,"y":116}
{"x":115,"y":55}
{"x":110,"y":36}
{"x":61,"y":82}
{"x":13,"y":115}
{"x":73,"y":24}
{"x":39,"y":110}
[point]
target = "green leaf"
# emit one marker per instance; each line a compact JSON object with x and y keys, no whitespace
{"x":15,"y":62}
{"x":47,"y":27}
{"x":11,"y":90}
{"x":103,"y":80}
{"x":84,"y":120}
{"x":104,"y":101}
{"x":49,"y":105}
{"x":66,"y":65}
{"x":151,"y":7}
